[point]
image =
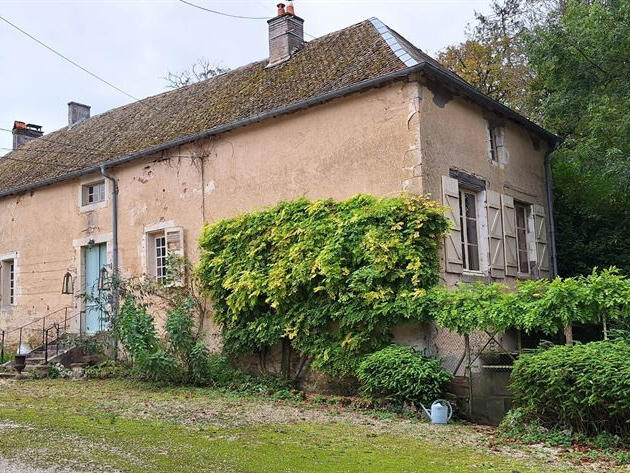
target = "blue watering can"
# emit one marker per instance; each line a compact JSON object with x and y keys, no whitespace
{"x":441,"y":412}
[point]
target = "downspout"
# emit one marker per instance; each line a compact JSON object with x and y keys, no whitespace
{"x":115,"y":269}
{"x":551,"y":218}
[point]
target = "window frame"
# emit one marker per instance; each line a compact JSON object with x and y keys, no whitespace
{"x":84,"y":194}
{"x":496,"y":149}
{"x":8,"y":280}
{"x":463,"y":192}
{"x":162,"y":234}
{"x":160,"y":255}
{"x":522,"y":232}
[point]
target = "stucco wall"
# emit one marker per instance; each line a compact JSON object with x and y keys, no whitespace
{"x":402,"y":137}
{"x":352,"y":145}
{"x":454,"y":135}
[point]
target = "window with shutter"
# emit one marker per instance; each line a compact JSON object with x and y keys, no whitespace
{"x":509,"y":235}
{"x":160,"y":245}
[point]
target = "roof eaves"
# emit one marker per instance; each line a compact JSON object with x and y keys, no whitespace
{"x":407,"y":57}
{"x":488,"y":102}
{"x":398,"y":49}
{"x":295,"y":107}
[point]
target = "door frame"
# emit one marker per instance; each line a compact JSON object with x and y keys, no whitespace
{"x":79,"y":246}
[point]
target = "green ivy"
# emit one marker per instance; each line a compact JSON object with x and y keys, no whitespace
{"x":534,"y":305}
{"x":331,"y":277}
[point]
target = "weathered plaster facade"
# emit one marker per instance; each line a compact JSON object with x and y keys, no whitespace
{"x":398,"y":138}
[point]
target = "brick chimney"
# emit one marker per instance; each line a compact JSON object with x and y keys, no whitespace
{"x":23,"y":132}
{"x":286,"y":34}
{"x":77,"y":113}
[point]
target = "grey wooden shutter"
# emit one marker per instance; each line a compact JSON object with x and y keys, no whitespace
{"x":453,"y":241}
{"x":495,"y":234}
{"x":540,"y":233}
{"x":509,"y":235}
{"x":175,"y":246}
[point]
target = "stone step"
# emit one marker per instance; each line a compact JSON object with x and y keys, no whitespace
{"x":7,"y":374}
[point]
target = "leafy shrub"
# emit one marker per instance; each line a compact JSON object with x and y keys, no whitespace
{"x":106,"y":370}
{"x":401,"y":374}
{"x":135,"y":328}
{"x":585,"y":388}
{"x":159,"y":366}
{"x":331,"y":277}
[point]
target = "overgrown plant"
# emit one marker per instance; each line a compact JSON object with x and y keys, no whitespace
{"x":402,"y":375}
{"x":329,"y":278}
{"x":535,"y":305}
{"x":585,"y":388}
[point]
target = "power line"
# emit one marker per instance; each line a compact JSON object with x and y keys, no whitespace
{"x":240,"y":17}
{"x":217,"y":12}
{"x":51,"y":49}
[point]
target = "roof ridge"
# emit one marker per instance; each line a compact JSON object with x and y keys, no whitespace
{"x":405,"y":56}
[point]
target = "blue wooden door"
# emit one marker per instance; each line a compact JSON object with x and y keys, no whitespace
{"x":95,"y":260}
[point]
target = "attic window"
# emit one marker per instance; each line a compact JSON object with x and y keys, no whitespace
{"x":495,"y":142}
{"x":93,"y":193}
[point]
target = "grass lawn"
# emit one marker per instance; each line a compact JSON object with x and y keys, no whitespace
{"x":126,"y":426}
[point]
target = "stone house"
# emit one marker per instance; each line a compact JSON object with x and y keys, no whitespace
{"x":359,"y":110}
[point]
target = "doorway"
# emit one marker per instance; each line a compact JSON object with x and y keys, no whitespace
{"x":95,"y":260}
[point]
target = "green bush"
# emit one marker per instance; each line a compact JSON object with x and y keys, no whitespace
{"x":401,"y":374}
{"x":585,"y":388}
{"x":332,"y":278}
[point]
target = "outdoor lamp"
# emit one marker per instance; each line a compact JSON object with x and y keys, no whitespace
{"x":103,"y":280}
{"x":67,"y":286}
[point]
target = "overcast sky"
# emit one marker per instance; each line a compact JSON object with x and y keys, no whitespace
{"x":133,"y":43}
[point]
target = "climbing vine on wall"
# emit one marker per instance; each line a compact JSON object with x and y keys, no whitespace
{"x":332,"y":278}
{"x":534,"y":305}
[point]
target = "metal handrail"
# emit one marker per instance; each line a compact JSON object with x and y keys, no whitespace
{"x":38,"y":320}
{"x":45,"y":329}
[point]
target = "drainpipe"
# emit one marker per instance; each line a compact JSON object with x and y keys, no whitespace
{"x":115,"y":291}
{"x":551,"y":219}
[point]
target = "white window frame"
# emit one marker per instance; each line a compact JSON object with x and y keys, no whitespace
{"x":85,"y":206}
{"x":482,"y":232}
{"x":528,"y":221}
{"x":151,"y":235}
{"x":8,"y":279}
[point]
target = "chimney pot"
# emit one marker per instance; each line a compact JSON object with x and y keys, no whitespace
{"x":290,"y":8}
{"x":77,"y":113}
{"x":286,"y":35}
{"x":23,"y":132}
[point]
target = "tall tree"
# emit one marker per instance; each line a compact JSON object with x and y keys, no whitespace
{"x":581,"y":61}
{"x":493,"y":57}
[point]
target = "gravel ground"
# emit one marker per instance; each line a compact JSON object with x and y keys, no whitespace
{"x":16,"y":467}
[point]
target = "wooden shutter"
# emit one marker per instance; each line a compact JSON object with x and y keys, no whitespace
{"x":453,"y":241}
{"x":540,"y":234}
{"x":495,"y":234}
{"x":509,"y":235}
{"x":175,"y":246}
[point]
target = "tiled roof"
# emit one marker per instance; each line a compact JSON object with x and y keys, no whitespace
{"x":340,"y":60}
